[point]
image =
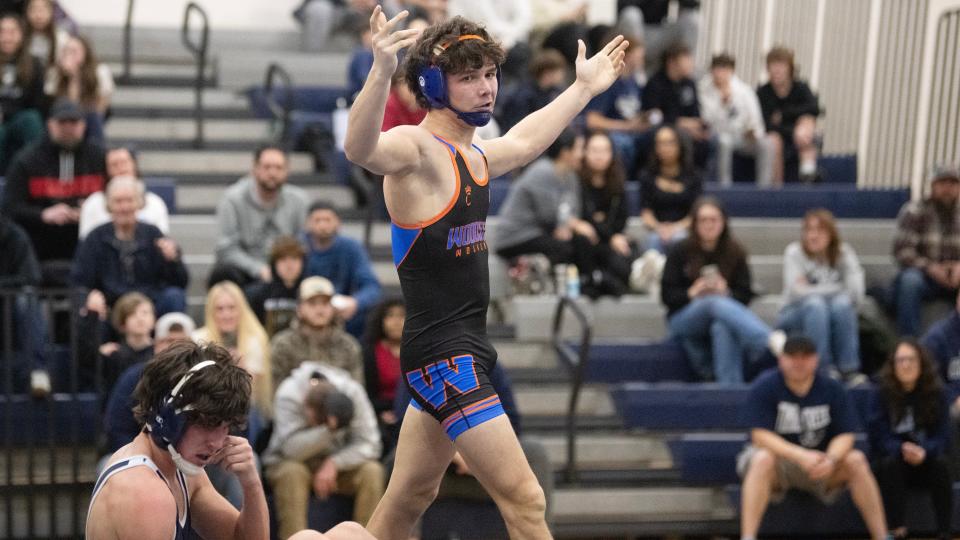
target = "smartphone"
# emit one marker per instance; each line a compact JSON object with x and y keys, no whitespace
{"x":709,"y":271}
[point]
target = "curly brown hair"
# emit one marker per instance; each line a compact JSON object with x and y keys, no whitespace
{"x":929,"y":388}
{"x":218,"y":394}
{"x":438,"y":46}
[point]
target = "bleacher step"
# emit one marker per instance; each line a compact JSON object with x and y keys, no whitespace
{"x":172,"y":129}
{"x":36,"y":510}
{"x":553,"y":400}
{"x":192,"y":198}
{"x":33,"y":467}
{"x":577,"y":505}
{"x":177,"y":98}
{"x":168,"y":163}
{"x":611,"y":451}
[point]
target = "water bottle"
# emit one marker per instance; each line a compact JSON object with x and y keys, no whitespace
{"x":560,"y":278}
{"x":573,"y":281}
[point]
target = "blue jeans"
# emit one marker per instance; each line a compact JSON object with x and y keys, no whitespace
{"x":170,"y":300}
{"x":831,"y":322}
{"x":654,"y":241}
{"x":724,"y":327}
{"x":910,"y":289}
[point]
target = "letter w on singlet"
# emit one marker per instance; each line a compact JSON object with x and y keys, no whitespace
{"x":439,"y":381}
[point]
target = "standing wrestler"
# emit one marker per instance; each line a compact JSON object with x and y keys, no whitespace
{"x":436,"y":189}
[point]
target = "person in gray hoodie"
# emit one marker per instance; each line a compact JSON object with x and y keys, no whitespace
{"x":542,"y":210}
{"x":325,"y":439}
{"x":255,"y":211}
{"x":823,"y":283}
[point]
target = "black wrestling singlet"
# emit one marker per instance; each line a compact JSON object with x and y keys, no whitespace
{"x":445,"y":355}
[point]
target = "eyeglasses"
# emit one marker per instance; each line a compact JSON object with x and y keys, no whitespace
{"x":905,"y":359}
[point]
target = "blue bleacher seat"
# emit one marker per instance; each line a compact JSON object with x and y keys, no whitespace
{"x":657,"y":361}
{"x":58,"y":418}
{"x":835,"y":168}
{"x":316,"y":99}
{"x":166,"y":189}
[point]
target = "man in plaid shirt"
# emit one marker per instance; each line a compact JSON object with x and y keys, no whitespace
{"x":927,"y":247}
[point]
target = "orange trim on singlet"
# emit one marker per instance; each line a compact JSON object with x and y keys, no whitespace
{"x":486,"y":177}
{"x":450,"y":205}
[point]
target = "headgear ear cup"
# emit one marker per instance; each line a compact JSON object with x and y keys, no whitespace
{"x":167,"y":425}
{"x":433,"y":86}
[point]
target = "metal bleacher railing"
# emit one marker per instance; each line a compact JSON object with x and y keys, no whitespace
{"x":576,"y":362}
{"x":199,"y":51}
{"x":47,"y":443}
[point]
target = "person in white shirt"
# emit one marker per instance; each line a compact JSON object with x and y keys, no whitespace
{"x":732,"y":110}
{"x":120,"y":161}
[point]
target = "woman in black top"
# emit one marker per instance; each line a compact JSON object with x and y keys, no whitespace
{"x":668,"y":189}
{"x":604,"y":206}
{"x":706,"y":288}
{"x":909,"y":432}
{"x":21,"y":91}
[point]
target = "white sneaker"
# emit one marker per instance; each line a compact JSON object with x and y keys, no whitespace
{"x":40,"y":386}
{"x":776,"y":341}
{"x":645,"y":272}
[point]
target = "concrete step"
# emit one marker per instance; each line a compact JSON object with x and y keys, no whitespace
{"x":160,"y":98}
{"x":174,"y":163}
{"x":514,"y":354}
{"x":572,"y":505}
{"x":146,"y":129}
{"x":610,"y":451}
{"x":552,"y":400}
{"x":204,"y":198}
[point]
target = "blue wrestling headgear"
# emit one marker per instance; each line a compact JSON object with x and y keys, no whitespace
{"x":168,"y":424}
{"x":432,"y":82}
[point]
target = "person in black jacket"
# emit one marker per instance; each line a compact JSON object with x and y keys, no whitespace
{"x":21,"y":90}
{"x":275,"y":301}
{"x":909,"y":428}
{"x":604,"y":205}
{"x":46,"y":185}
{"x":127,"y":255}
{"x":706,"y":288}
{"x":19,"y":271}
{"x":790,"y":111}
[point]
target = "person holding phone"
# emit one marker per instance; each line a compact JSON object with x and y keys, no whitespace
{"x":706,"y":289}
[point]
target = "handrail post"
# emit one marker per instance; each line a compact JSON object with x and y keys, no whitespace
{"x":200,"y":55}
{"x":127,"y":41}
{"x":276,"y":75}
{"x":578,"y":366}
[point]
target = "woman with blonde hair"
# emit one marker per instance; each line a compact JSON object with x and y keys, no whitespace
{"x":230,"y":323}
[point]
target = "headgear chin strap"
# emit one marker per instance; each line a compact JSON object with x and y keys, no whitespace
{"x":434,"y":87}
{"x":167,"y":425}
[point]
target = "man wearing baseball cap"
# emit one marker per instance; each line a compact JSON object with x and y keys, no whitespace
{"x":315,"y":335}
{"x":927,"y":248}
{"x":47,"y":182}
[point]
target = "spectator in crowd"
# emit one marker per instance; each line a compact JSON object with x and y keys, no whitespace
{"x":230,"y":323}
{"x":548,"y":73}
{"x":617,"y":110}
{"x":44,"y":37}
{"x":649,"y":20}
{"x":133,"y":318}
{"x":942,"y":341}
{"x":122,"y":161}
{"x":558,"y":24}
{"x":706,"y":288}
{"x":20,"y":270}
{"x":927,"y":248}
{"x":822,"y":285}
{"x":432,"y":11}
{"x":790,"y":111}
{"x":275,"y":302}
{"x":119,"y":423}
{"x":361,"y":60}
{"x":127,"y":255}
{"x":402,"y":108}
{"x":344,"y":262}
{"x":801,"y":433}
{"x":322,"y":18}
{"x":78,"y":76}
{"x":542,"y":209}
{"x":508,"y":22}
{"x":673,"y":94}
{"x":731,"y":110}
{"x":325,"y":439}
{"x":315,"y":335}
{"x":604,"y":207}
{"x":669,"y":186}
{"x":21,"y":91}
{"x":253,"y":212}
{"x":47,"y":183}
{"x":381,"y":364}
{"x":909,"y":432}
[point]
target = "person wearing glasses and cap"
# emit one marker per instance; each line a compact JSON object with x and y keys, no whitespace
{"x":436,"y":188}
